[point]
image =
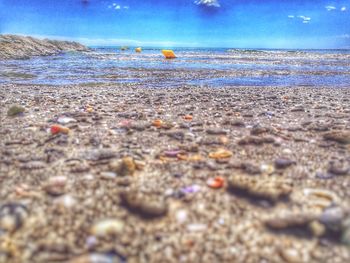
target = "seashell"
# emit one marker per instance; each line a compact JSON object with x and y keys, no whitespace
{"x":107,"y":227}
{"x":188,"y":117}
{"x":320,"y":198}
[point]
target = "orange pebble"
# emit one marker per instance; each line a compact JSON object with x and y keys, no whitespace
{"x":182,"y":156}
{"x":188,"y":117}
{"x":216,"y":182}
{"x":195,"y":158}
{"x":157,"y":123}
{"x":89,"y":109}
{"x":220,"y":154}
{"x":58,"y":129}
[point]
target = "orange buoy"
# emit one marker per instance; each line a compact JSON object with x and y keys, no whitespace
{"x":138,"y":50}
{"x":168,"y":53}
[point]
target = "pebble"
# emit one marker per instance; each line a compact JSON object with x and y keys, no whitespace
{"x":65,"y":120}
{"x":12,"y":216}
{"x":220,"y":154}
{"x":108,"y":175}
{"x":332,"y":216}
{"x":338,"y":168}
{"x":55,"y":185}
{"x":286,"y":219}
{"x":282,"y":163}
{"x":125,"y":166}
{"x":15,"y":110}
{"x":33,"y":165}
{"x":340,"y":136}
{"x":181,"y":216}
{"x":196,"y":227}
{"x":216,"y":131}
{"x":257,"y":129}
{"x":107,"y":227}
{"x":268,"y":188}
{"x":99,"y":154}
{"x":291,"y":255}
{"x":144,"y":205}
{"x":216,"y":182}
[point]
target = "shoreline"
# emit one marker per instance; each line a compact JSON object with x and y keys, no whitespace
{"x":145,"y":159}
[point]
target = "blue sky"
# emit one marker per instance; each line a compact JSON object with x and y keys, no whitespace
{"x":191,"y":23}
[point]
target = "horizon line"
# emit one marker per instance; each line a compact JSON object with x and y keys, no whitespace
{"x":114,"y":42}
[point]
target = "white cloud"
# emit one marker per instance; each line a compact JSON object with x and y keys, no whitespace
{"x":343,"y":9}
{"x":117,"y":7}
{"x":291,"y":16}
{"x":330,"y":7}
{"x":210,"y":3}
{"x":126,"y":7}
{"x":305,"y":18}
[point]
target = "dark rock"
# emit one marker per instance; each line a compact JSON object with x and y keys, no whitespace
{"x":282,"y":163}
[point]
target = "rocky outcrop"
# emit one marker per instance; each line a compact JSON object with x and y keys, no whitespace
{"x":23,"y":47}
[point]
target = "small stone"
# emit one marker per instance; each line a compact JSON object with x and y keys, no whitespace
{"x":123,"y":167}
{"x":286,"y":219}
{"x":15,"y":110}
{"x":340,"y":136}
{"x":317,"y":228}
{"x":291,"y":255}
{"x":216,"y":131}
{"x":65,"y":201}
{"x":196,"y":227}
{"x":99,"y":154}
{"x":282,"y":163}
{"x":107,"y":227}
{"x":108,"y":175}
{"x":338,"y":168}
{"x":65,"y":120}
{"x":144,"y":205}
{"x":33,"y":165}
{"x":266,"y":188}
{"x":56,"y":185}
{"x":181,"y":216}
{"x":220,"y":154}
{"x":12,"y":216}
{"x":258,"y":129}
{"x":332,"y":216}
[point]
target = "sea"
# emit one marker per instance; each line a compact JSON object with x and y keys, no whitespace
{"x":200,"y":67}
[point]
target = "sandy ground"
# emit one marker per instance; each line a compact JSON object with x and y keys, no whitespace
{"x":174,"y":175}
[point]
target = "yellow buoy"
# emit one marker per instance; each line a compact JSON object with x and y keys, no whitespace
{"x":168,"y":53}
{"x":138,"y":49}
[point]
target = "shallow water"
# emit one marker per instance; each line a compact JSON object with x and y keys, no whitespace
{"x":212,"y":67}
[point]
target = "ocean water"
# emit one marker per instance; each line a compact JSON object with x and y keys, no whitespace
{"x":204,"y":67}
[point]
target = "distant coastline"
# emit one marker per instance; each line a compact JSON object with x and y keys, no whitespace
{"x":24,"y":47}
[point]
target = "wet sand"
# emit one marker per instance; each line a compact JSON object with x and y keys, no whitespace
{"x":174,"y":174}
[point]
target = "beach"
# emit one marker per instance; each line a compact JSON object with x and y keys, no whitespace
{"x":120,"y":172}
